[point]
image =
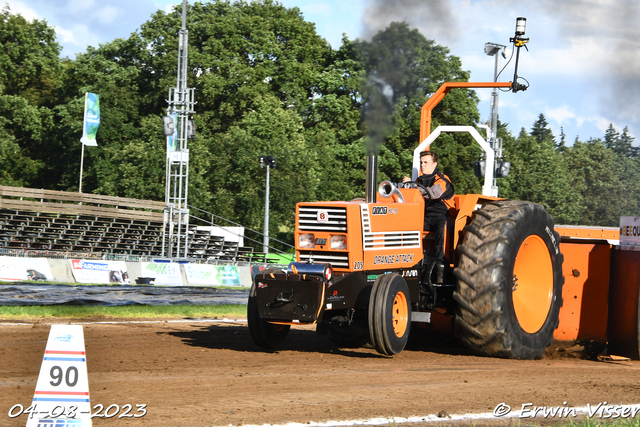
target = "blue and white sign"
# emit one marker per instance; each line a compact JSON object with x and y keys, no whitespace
{"x":85,"y":271}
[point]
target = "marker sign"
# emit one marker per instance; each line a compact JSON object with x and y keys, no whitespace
{"x":629,"y":231}
{"x":62,"y":392}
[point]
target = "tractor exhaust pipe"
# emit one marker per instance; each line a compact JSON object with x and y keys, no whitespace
{"x":388,"y":189}
{"x":372,"y":178}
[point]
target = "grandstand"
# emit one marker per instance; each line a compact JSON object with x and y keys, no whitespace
{"x":52,"y":223}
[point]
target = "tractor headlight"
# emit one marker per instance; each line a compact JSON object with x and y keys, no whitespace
{"x":339,"y":242}
{"x":306,"y":241}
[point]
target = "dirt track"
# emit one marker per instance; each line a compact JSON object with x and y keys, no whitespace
{"x":203,"y":374}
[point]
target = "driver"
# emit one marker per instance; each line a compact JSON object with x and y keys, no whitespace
{"x":438,"y":198}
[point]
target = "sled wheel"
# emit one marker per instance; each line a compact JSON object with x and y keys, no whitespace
{"x":264,"y":334}
{"x":509,"y":280}
{"x":389,"y":314}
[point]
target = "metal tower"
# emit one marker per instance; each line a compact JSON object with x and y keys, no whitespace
{"x":175,"y":235}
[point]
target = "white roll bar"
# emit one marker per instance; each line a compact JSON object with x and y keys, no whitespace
{"x":488,"y":177}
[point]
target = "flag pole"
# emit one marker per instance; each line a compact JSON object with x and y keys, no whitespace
{"x":81,"y":162}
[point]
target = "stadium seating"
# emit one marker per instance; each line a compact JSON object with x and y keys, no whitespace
{"x":96,"y":226}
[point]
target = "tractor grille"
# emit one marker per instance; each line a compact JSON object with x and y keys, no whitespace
{"x":336,"y":259}
{"x":392,"y":240}
{"x":336,"y":219}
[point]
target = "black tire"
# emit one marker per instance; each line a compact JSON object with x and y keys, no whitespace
{"x":264,"y":334}
{"x":389,"y":314}
{"x":355,"y":335}
{"x":509,"y":280}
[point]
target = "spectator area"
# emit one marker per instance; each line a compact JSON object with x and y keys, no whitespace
{"x":90,"y":224}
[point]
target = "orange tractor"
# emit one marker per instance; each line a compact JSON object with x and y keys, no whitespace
{"x":363,"y":271}
{"x":362,"y":274}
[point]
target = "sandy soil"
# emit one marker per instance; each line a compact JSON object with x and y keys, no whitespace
{"x":203,"y":374}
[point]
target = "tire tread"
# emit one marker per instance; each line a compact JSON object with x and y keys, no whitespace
{"x":482,"y":284}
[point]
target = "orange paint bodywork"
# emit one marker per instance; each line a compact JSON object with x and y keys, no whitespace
{"x":399,"y":218}
{"x":370,"y":249}
{"x":583,"y":315}
{"x":578,"y":232}
{"x":425,"y":112}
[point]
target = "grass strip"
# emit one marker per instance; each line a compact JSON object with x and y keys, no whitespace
{"x":124,"y":311}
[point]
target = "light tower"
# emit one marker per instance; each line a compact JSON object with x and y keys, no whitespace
{"x":270,"y":162}
{"x":495,"y":143}
{"x":175,"y":235}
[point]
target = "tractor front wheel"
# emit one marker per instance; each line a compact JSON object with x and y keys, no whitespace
{"x":509,"y":280}
{"x":389,"y":314}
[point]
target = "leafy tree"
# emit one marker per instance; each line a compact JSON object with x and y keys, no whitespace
{"x":620,"y":144}
{"x":606,"y":182}
{"x":539,"y":174}
{"x":611,"y":137}
{"x":414,"y":67}
{"x":20,"y":123}
{"x":562,"y":146}
{"x":29,"y":58}
{"x":541,"y":131}
{"x":625,"y":145}
{"x":266,"y":84}
{"x":29,"y":69}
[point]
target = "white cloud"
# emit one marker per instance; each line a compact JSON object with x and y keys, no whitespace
{"x":65,"y":36}
{"x":601,"y":123}
{"x":22,"y":9}
{"x":562,"y":114}
{"x":108,"y":14}
{"x":314,"y":9}
{"x":170,"y":7}
{"x":80,"y":7}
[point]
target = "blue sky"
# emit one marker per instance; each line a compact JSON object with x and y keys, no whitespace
{"x":583,"y":65}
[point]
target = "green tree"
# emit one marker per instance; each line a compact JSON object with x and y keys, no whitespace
{"x":539,"y":174}
{"x":607,"y":183}
{"x":29,"y":70}
{"x":541,"y":131}
{"x":29,"y":58}
{"x":414,"y":68}
{"x":266,"y":84}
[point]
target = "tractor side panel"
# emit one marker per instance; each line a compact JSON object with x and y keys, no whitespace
{"x":583,"y":315}
{"x":392,"y":234}
{"x":623,"y":315}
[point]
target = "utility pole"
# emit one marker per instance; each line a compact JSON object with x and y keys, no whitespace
{"x":175,"y":235}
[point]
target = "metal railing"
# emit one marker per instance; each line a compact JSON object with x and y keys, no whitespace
{"x":211,"y":222}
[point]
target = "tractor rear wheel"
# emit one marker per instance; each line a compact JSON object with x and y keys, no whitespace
{"x":509,"y":280}
{"x":389,"y":314}
{"x":354,"y":335}
{"x":264,"y":334}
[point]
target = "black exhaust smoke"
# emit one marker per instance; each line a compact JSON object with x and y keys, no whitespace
{"x":394,"y":61}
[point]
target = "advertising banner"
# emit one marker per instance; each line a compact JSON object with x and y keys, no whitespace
{"x":85,"y":271}
{"x":91,"y":119}
{"x":18,"y":269}
{"x":212,"y":275}
{"x":163,"y":273}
